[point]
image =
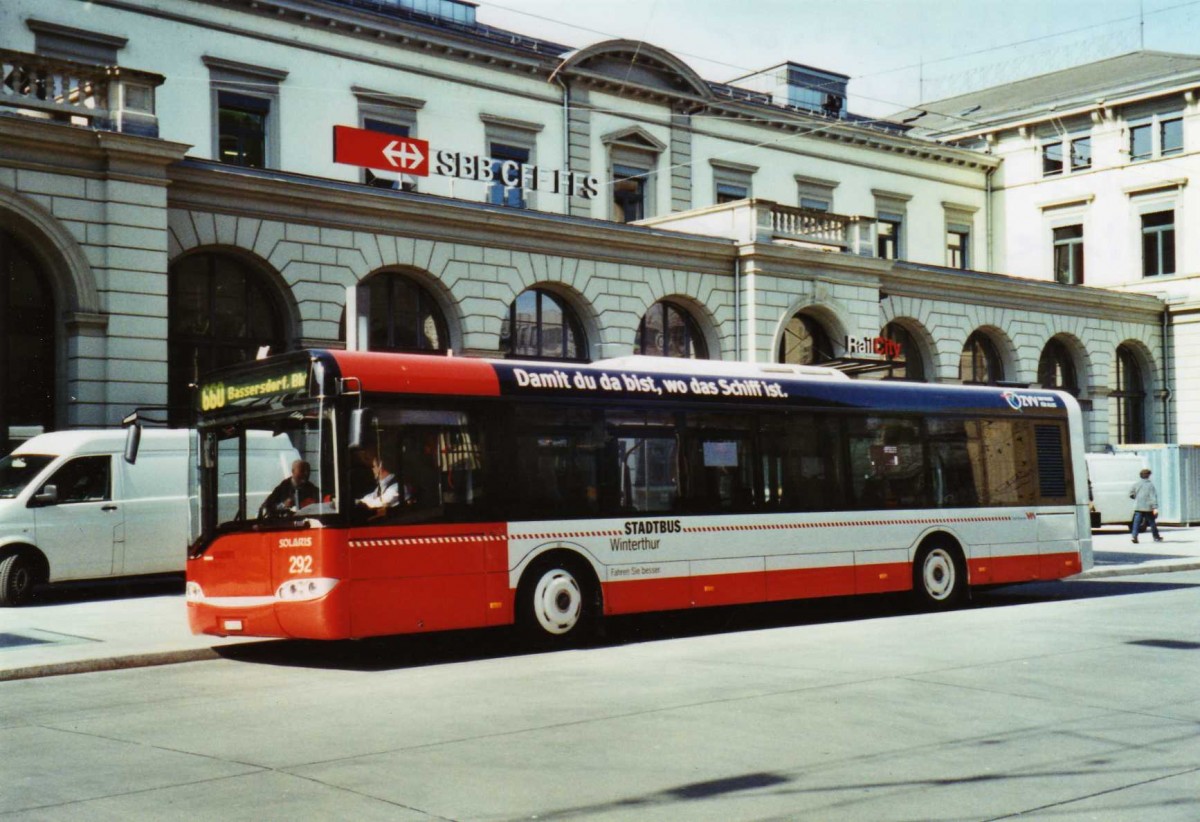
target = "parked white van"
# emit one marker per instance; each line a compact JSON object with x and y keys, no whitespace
{"x":1110,"y":476}
{"x":72,"y":508}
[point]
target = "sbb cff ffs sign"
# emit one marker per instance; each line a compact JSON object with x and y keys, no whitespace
{"x":408,"y":155}
{"x":374,"y":149}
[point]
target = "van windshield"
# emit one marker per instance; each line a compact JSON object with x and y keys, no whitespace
{"x":18,"y":470}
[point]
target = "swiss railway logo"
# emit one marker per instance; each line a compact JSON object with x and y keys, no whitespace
{"x":1019,"y":402}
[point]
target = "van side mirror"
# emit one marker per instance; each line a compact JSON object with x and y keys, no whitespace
{"x":354,"y":437}
{"x":47,"y":496}
{"x":133,"y":441}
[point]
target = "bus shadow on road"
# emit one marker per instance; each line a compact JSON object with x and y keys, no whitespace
{"x":418,"y":650}
{"x":1060,"y":590}
{"x":448,"y":647}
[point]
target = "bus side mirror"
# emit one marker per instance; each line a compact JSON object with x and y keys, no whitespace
{"x":354,"y":438}
{"x":133,"y":441}
{"x":47,"y":496}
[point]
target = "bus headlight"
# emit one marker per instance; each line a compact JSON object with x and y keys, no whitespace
{"x":193,"y":592}
{"x":297,"y":590}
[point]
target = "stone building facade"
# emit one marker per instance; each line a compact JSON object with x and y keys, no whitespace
{"x":760,"y":231}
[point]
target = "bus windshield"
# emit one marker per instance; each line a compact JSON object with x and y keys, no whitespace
{"x":275,"y":471}
{"x":17,"y":470}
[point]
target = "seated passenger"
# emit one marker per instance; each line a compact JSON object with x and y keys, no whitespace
{"x":387,"y":494}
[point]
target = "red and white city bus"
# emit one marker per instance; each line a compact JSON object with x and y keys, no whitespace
{"x":551,"y":494}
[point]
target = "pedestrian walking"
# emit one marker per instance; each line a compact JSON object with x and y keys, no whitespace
{"x":1145,"y":506}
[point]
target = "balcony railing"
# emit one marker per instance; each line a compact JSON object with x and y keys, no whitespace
{"x":111,"y":98}
{"x":765,"y":221}
{"x":850,"y":234}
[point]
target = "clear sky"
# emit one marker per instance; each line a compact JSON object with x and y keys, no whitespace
{"x":897,"y":52}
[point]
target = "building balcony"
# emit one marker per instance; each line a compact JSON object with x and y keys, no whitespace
{"x":764,"y":221}
{"x":108,"y":98}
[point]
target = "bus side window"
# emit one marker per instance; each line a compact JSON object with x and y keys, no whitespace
{"x":952,"y":479}
{"x":800,"y":464}
{"x":886,"y":462}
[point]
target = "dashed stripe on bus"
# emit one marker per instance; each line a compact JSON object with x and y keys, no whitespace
{"x":694,"y":529}
{"x":396,"y":541}
{"x":712,"y":529}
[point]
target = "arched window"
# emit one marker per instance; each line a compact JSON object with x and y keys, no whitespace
{"x":27,"y":320}
{"x":669,"y":331}
{"x":980,"y":362}
{"x":804,"y":342}
{"x":909,"y":365}
{"x":540,"y":325}
{"x":1130,"y":397}
{"x":1056,"y":368}
{"x":220,"y":312}
{"x":402,"y":316}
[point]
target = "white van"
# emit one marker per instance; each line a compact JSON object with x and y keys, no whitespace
{"x":72,"y":508}
{"x":1110,"y":476}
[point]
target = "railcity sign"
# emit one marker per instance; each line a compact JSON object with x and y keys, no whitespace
{"x":408,"y":155}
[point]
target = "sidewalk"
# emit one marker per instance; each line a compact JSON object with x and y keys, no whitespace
{"x":102,"y":628}
{"x":127,"y":625}
{"x":1115,"y":555}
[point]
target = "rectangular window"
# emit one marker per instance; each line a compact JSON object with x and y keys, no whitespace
{"x":1158,"y":244}
{"x":716,"y":460}
{"x":958,"y":244}
{"x":951,"y":473}
{"x":815,"y":193}
{"x":1068,"y":255}
{"x":1081,"y":153}
{"x":888,"y":239}
{"x":506,"y":168}
{"x":1170,"y":136}
{"x":732,"y":181}
{"x":649,"y":473}
{"x":1052,"y":158}
{"x":801,"y":463}
{"x":511,"y":145}
{"x":1141,"y":142}
{"x":728,"y":193}
{"x":245,"y":105}
{"x":1004,"y":467}
{"x":887,"y":462}
{"x":242,"y":128}
{"x":629,"y":192}
{"x":558,"y":451}
{"x":436,"y":458}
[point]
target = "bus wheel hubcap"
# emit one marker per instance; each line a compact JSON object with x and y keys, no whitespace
{"x":557,"y":601}
{"x":938,"y":573}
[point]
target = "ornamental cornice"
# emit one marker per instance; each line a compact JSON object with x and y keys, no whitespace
{"x":1017,"y":293}
{"x":206,"y":186}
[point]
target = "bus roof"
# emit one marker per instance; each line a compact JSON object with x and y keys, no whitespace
{"x":651,"y":379}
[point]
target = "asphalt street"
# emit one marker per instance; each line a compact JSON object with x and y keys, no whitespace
{"x":80,"y":628}
{"x":1057,"y":701}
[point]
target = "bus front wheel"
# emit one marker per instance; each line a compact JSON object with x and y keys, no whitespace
{"x":939,"y":576}
{"x":557,"y":601}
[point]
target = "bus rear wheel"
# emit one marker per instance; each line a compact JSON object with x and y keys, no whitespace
{"x":558,"y":602}
{"x":939,"y":576}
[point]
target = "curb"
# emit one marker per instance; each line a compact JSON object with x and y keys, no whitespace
{"x":1136,"y":570}
{"x":116,"y":663}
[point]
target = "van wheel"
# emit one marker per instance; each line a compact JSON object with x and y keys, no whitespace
{"x":939,"y":576}
{"x":17,"y":577}
{"x":557,"y":601}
